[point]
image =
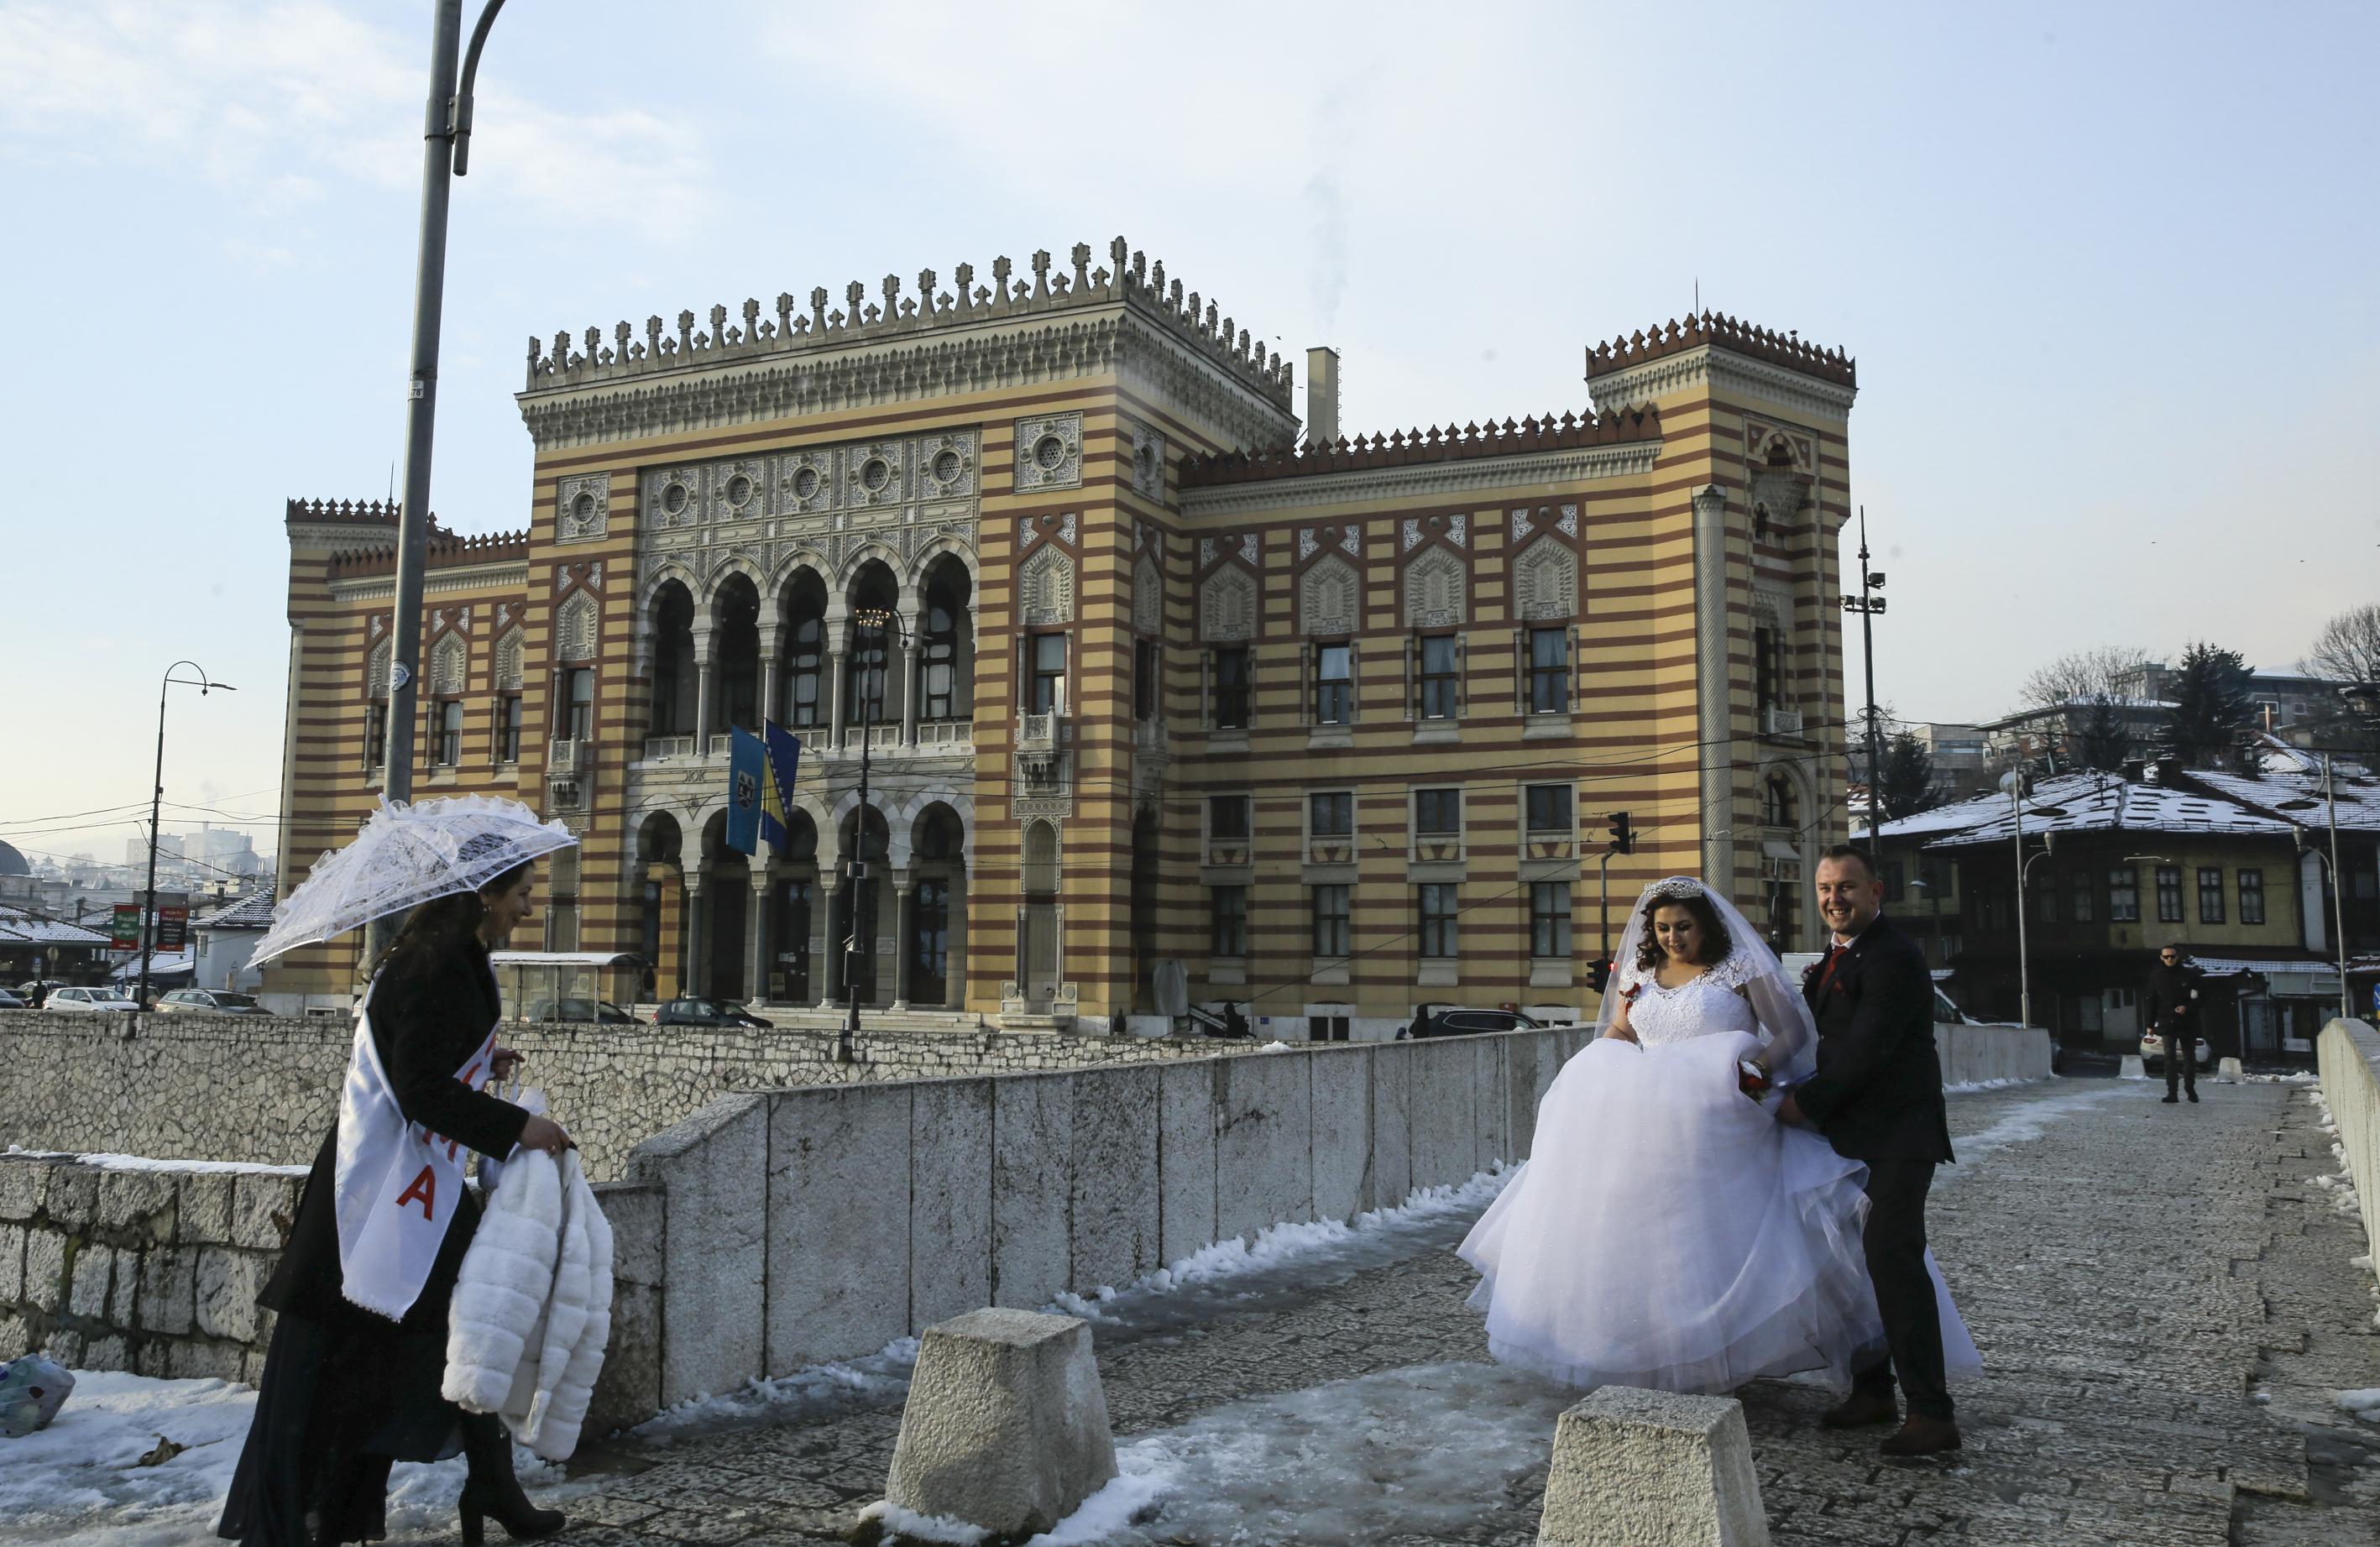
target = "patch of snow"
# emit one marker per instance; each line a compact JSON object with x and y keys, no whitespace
{"x":1274,"y":1047}
{"x":785,"y":1398}
{"x":2030,"y":1121}
{"x":1969,"y":1087}
{"x":907,"y":1525}
{"x":149,"y":1162}
{"x":1111,"y":1510}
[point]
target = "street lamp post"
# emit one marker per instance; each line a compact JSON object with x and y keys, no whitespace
{"x":1867,"y":604}
{"x":156,"y":800}
{"x":2337,"y":890}
{"x":2014,"y":782}
{"x":446,"y":135}
{"x":855,"y":862}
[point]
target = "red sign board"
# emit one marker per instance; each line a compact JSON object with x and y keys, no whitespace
{"x":123,"y":932}
{"x":172,"y":929}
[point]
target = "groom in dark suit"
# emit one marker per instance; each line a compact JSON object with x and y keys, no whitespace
{"x":1878,"y":1096}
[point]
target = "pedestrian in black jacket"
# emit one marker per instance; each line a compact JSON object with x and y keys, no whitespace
{"x":1878,"y":1096}
{"x":2170,"y":1007}
{"x":346,"y":1391}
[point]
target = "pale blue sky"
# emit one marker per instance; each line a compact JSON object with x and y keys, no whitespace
{"x":2108,"y":272}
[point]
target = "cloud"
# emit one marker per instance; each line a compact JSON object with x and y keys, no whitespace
{"x":284,"y":105}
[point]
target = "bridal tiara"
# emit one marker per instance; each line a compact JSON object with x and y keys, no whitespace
{"x":1676,"y":886}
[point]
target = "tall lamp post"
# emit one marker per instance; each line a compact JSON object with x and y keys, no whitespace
{"x":1867,"y":604}
{"x":156,"y":799}
{"x":2014,"y":782}
{"x":2338,"y":891}
{"x":446,"y":146}
{"x":884,"y":622}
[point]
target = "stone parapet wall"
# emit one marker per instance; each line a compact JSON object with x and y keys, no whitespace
{"x":2347,"y":1057}
{"x":154,"y":1270}
{"x":265,"y":1090}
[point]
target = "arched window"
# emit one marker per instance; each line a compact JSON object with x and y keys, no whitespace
{"x":675,"y":676}
{"x":866,"y":697}
{"x":1777,"y":806}
{"x":376,"y":670}
{"x":804,"y":698}
{"x":943,"y":647}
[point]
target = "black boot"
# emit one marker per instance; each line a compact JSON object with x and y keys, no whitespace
{"x":492,"y":1488}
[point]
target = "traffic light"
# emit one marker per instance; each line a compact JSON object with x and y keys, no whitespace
{"x":1623,"y":834}
{"x":1598,"y":975}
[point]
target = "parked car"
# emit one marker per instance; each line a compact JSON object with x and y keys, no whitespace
{"x":10,"y":1000}
{"x":2153,"y":1053}
{"x":583,"y":1012}
{"x":692,"y":1010}
{"x":33,"y":990}
{"x":103,"y":1001}
{"x":210,"y":1001}
{"x":1461,"y":1020}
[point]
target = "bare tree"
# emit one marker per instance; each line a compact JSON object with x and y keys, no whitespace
{"x":2347,"y":648}
{"x":2082,"y":676}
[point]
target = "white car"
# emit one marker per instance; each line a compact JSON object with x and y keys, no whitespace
{"x":100,"y":1001}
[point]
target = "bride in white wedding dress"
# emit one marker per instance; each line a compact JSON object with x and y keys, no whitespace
{"x":1667,"y":1232}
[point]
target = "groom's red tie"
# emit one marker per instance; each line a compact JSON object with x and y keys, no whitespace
{"x":1834,"y":955}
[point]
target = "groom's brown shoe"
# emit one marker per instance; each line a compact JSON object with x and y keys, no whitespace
{"x":1861,"y":1410}
{"x":1923,"y":1436}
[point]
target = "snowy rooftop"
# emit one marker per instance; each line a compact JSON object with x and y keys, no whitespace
{"x":252,"y":912}
{"x":2231,"y":966}
{"x":1957,"y":816}
{"x":164,"y":964}
{"x":2299,"y":797}
{"x":2104,"y":802}
{"x":21,"y":928}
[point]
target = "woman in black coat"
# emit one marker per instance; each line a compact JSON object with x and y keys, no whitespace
{"x":346,"y":1392}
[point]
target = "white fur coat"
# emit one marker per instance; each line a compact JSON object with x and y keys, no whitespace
{"x":532,"y":1309}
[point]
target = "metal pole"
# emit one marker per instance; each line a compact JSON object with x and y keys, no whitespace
{"x":1867,"y":635}
{"x":156,"y":798}
{"x":420,"y":418}
{"x":2023,"y":959}
{"x":845,"y":1049}
{"x":2338,"y":891}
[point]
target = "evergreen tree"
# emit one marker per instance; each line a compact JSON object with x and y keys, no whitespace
{"x":2212,"y":711}
{"x":1907,"y":785}
{"x":2095,"y":735}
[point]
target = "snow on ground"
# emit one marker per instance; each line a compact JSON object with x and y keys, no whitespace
{"x":1969,"y":1087}
{"x":2028,"y":1122}
{"x":146,"y":1162}
{"x":82,"y":1481}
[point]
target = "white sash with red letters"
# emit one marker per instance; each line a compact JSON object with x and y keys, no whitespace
{"x":398,"y":1184}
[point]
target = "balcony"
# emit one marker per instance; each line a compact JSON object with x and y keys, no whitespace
{"x":660,"y":748}
{"x":946,"y":735}
{"x":1780,"y":723}
{"x":1039,"y":734}
{"x":1149,"y":738}
{"x":568,"y":759}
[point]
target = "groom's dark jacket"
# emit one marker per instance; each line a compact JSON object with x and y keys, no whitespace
{"x":1877,"y":1094}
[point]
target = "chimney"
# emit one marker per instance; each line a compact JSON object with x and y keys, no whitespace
{"x":2135,"y":770}
{"x":1321,"y":395}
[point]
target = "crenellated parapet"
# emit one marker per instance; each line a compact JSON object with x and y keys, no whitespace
{"x":1725,"y":333}
{"x":1406,"y":448}
{"x":1134,"y":283}
{"x":443,"y":550}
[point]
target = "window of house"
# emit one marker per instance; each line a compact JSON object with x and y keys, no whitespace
{"x":1331,"y":814}
{"x":1550,"y":920}
{"x":1437,"y":911}
{"x":1227,"y":918}
{"x":1227,"y":816}
{"x":1047,"y":686}
{"x":2123,"y":894}
{"x":942,"y":662}
{"x":1548,"y":809}
{"x":2252,"y":897}
{"x":1438,"y":813}
{"x":1438,"y":676}
{"x":376,"y":733}
{"x":579,"y":698}
{"x":508,"y":728}
{"x":1766,"y":686}
{"x":1778,"y":808}
{"x":2168,"y":884}
{"x":1334,"y":685}
{"x":1330,"y":929}
{"x":1144,"y":679}
{"x":2077,"y":897}
{"x":450,"y":732}
{"x":2040,"y":893}
{"x":2210,"y":894}
{"x":803,"y":707}
{"x":1896,"y":879}
{"x":1549,"y":670}
{"x":1232,"y":688}
{"x":864,"y":675}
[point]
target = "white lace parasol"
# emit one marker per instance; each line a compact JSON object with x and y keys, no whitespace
{"x":406,"y":855}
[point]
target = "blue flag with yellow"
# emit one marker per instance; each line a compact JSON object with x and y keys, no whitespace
{"x":747,"y":776}
{"x":785,"y":755}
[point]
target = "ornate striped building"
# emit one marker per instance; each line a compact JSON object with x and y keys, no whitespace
{"x":1333,"y":728}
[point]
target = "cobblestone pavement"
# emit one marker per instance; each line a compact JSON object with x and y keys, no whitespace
{"x":2162,"y":1295}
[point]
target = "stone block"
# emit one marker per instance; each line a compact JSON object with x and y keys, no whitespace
{"x":1263,"y":1144}
{"x":152,"y":1356}
{"x":107,"y":1352}
{"x":1185,"y":1157}
{"x":638,"y":1217}
{"x":1339,"y":1082}
{"x":1032,"y":1156}
{"x":23,"y":1181}
{"x":628,"y":1390}
{"x":203,"y":1208}
{"x":168,"y":1288}
{"x":224,"y":1299}
{"x":46,"y":1270}
{"x":1445,"y":1144}
{"x":1652,"y":1468}
{"x":1006,"y":1425}
{"x":2132,"y":1068}
{"x":1392,"y":1164}
{"x":263,"y":1206}
{"x":838,"y":1202}
{"x":63,"y":1346}
{"x":142,"y":1200}
{"x":713,"y":1167}
{"x":12,"y":1264}
{"x":1531,"y":1061}
{"x":2230,"y":1072}
{"x":13,"y":1332}
{"x":73,"y":1196}
{"x":1490,"y":1107}
{"x":194,"y":1360}
{"x":1113,"y":1206}
{"x":950,"y":1199}
{"x":94,"y":1270}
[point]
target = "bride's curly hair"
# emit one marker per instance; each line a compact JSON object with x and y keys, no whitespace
{"x":1716,"y":940}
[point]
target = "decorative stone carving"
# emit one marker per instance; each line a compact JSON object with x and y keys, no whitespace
{"x":805,"y":481}
{"x":1050,"y":453}
{"x":1350,"y":540}
{"x":1248,"y":547}
{"x":946,"y":467}
{"x":1544,"y":583}
{"x":1227,"y":607}
{"x":1045,"y":589}
{"x":1206,"y":557}
{"x":1568,"y":525}
{"x":673,"y":496}
{"x":1148,"y":597}
{"x":1458,"y":529}
{"x":1435,"y":590}
{"x":376,"y":667}
{"x":1027,"y":532}
{"x":449,"y":663}
{"x":509,"y":652}
{"x":573,"y":629}
{"x":1148,"y":462}
{"x":876,"y":473}
{"x":1066,"y":528}
{"x":582,"y":507}
{"x":1327,"y":598}
{"x":1306,"y":543}
{"x":1413,"y":533}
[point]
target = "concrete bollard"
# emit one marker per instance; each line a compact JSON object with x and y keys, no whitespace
{"x":1006,"y":1426}
{"x":1652,"y":1468}
{"x":2228,"y":1072}
{"x":2133,"y":1068}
